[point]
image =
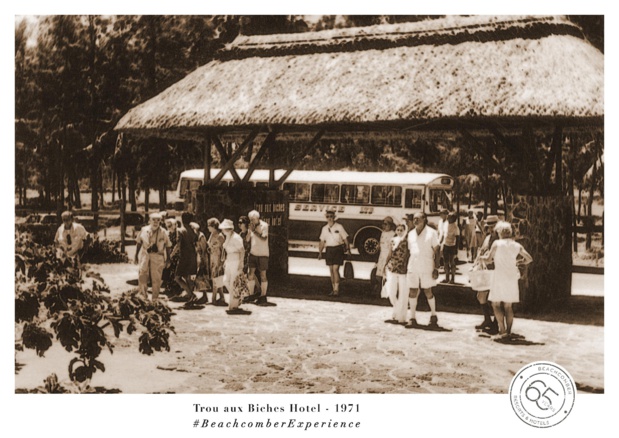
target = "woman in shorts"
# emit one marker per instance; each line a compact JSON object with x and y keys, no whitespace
{"x":334,"y":239}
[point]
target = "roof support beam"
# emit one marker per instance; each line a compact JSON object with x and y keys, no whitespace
{"x":225,"y":159}
{"x":267,"y":142}
{"x":297,"y":160}
{"x":229,"y":161}
{"x":207,"y":160}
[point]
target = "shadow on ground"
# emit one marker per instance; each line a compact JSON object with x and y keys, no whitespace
{"x":583,"y":310}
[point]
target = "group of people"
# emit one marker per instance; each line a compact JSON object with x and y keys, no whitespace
{"x":409,"y":261}
{"x":189,"y":261}
{"x":411,"y":254}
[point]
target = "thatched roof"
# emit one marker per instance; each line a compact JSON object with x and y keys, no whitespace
{"x":457,"y":69}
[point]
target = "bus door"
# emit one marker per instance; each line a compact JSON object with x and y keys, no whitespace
{"x":413,"y":198}
{"x":438,"y":199}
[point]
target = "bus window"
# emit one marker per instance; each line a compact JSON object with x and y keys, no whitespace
{"x":439,"y":199}
{"x":184,"y":187}
{"x":262,"y":184}
{"x":355,"y":194}
{"x":325,"y":193}
{"x":298,"y":191}
{"x":412,"y":198}
{"x":387,"y":195}
{"x":188,"y":184}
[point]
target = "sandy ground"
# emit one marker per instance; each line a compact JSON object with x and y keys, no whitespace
{"x":303,"y":346}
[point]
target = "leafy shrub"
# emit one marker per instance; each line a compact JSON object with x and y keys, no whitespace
{"x":54,"y":303}
{"x":104,"y":251}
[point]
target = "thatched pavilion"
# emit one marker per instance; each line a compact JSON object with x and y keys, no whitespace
{"x":502,"y":76}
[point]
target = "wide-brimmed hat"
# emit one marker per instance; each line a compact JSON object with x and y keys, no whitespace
{"x":492,"y":219}
{"x":226,"y":225}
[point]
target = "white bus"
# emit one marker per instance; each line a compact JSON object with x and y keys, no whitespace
{"x":361,"y":200}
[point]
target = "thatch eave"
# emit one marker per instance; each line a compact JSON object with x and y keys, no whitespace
{"x":390,"y":129}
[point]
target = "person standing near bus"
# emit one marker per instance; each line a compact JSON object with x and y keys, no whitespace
{"x":258,"y":255}
{"x":334,"y":238}
{"x":423,"y":264}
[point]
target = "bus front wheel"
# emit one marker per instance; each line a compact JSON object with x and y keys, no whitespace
{"x":368,"y":244}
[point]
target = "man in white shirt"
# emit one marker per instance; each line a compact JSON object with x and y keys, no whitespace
{"x":423,"y":262}
{"x":69,"y":239}
{"x":334,"y":238}
{"x":258,"y":236}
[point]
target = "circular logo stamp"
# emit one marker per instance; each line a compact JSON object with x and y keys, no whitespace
{"x":542,"y":394}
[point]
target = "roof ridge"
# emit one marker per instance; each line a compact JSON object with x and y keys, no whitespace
{"x":448,"y":30}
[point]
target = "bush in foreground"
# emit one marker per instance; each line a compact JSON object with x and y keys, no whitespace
{"x":54,"y":302}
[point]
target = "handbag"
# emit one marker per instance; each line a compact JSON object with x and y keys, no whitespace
{"x":349,"y":272}
{"x":240,"y":286}
{"x":480,"y":277}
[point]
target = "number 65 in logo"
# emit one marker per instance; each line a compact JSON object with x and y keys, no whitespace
{"x":542,"y":394}
{"x":532,"y":390}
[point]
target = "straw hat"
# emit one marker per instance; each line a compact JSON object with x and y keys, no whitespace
{"x":226,"y":225}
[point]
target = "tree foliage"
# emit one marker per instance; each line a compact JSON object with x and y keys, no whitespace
{"x":55,"y":302}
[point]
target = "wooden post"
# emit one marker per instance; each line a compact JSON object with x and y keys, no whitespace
{"x":207,"y":160}
{"x":558,"y":140}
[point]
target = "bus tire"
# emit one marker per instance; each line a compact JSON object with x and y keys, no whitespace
{"x":368,"y":244}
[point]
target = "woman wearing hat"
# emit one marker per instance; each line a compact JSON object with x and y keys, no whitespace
{"x":507,"y":255}
{"x":233,"y":266}
{"x":385,"y":245}
{"x":334,"y":238}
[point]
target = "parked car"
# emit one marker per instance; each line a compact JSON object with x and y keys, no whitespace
{"x":132,"y":218}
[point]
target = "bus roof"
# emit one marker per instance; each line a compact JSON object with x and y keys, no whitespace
{"x":331,"y":176}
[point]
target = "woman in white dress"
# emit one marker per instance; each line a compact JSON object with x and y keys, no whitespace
{"x":233,"y":266}
{"x":385,"y":246}
{"x":507,"y":255}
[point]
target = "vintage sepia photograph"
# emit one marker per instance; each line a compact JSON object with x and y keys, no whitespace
{"x":236,"y":205}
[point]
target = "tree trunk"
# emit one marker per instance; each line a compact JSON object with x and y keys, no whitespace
{"x":123,"y":203}
{"x":574,"y":232}
{"x":113,"y":187}
{"x":132,"y":197}
{"x":162,"y":197}
{"x":590,"y":218}
{"x":146,"y":199}
{"x":59,"y":182}
{"x":545,"y":223}
{"x":579,"y":202}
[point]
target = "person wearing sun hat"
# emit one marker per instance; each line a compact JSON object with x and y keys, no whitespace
{"x":233,"y":266}
{"x":334,"y":238}
{"x":152,"y":254}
